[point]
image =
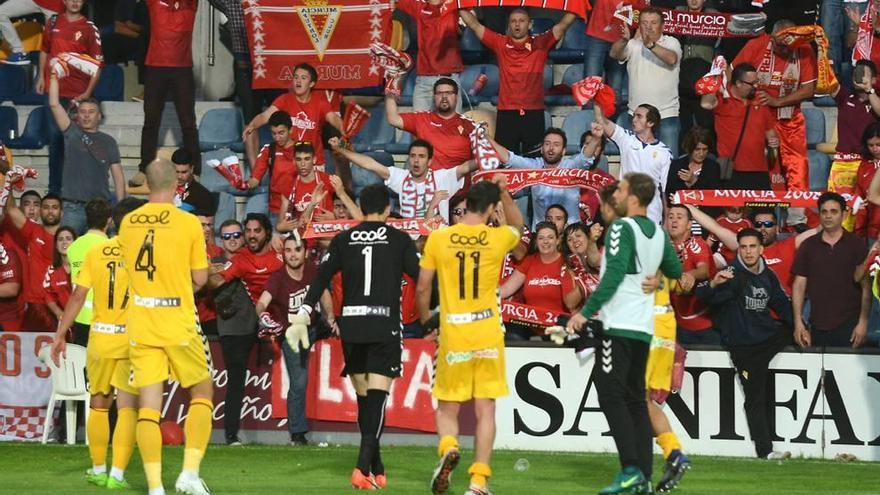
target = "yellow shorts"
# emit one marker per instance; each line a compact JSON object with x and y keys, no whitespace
{"x":189,"y":363}
{"x":661,"y":358}
{"x":460,"y":376}
{"x":105,"y":374}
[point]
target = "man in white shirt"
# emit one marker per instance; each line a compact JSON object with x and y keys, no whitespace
{"x":422,"y":192}
{"x":640,"y":151}
{"x":652,"y":62}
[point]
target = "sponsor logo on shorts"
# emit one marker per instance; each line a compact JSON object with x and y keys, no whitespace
{"x":465,"y":356}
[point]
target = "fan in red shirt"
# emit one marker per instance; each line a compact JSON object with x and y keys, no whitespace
{"x":205,"y":306}
{"x":543,"y":278}
{"x":867,"y":222}
{"x":447,"y":130}
{"x":10,"y":287}
{"x":39,"y":241}
{"x":56,"y":282}
{"x":253,"y":265}
{"x":282,"y":170}
{"x":70,"y":32}
{"x":692,"y":316}
{"x":786,"y":77}
{"x":310,"y":194}
{"x":521,"y":59}
{"x":436,"y":27}
{"x":169,"y":72}
{"x":734,"y":221}
{"x":309,"y":110}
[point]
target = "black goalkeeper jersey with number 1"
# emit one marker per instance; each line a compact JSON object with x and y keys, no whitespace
{"x":372,"y":257}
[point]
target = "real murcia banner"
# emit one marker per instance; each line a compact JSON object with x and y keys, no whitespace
{"x":823,"y":405}
{"x":333,"y":36}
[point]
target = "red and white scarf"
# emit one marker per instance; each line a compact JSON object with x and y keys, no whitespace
{"x":865,"y":38}
{"x":413,"y":204}
{"x":790,"y":77}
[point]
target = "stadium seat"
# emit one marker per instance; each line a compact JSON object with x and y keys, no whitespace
{"x":69,"y":384}
{"x":815,"y":119}
{"x":824,"y":101}
{"x":489,"y":91}
{"x":574,"y":125}
{"x":220,"y":127}
{"x":573,"y":74}
{"x":401,"y":145}
{"x":472,"y":49}
{"x":368,"y":91}
{"x":34,"y":135}
{"x":8,"y":123}
{"x":13,"y":81}
{"x":571,"y":49}
{"x":111,"y":84}
{"x":541,"y":25}
{"x":376,"y":133}
{"x":362,"y":178}
{"x":820,"y":168}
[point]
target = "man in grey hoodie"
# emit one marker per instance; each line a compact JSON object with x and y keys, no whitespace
{"x":742,"y":298}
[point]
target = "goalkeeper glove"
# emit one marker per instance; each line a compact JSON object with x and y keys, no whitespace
{"x":298,"y":331}
{"x":557,"y":334}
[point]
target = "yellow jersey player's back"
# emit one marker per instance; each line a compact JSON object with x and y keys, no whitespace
{"x":468,"y":261}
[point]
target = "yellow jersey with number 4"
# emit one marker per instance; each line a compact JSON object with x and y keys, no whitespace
{"x":102,"y":271}
{"x":161,"y":245}
{"x":468,"y":260}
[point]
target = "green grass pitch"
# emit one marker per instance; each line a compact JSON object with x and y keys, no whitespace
{"x":58,"y":469}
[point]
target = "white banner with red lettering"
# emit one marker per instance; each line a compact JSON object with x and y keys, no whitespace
{"x":25,"y":385}
{"x":331,"y":397}
{"x":701,"y":24}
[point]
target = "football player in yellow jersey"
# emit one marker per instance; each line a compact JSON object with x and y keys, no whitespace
{"x":467,"y":258}
{"x":163,"y":249}
{"x":107,"y":354}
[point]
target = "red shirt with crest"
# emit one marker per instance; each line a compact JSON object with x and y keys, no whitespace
{"x":690,"y":313}
{"x":253,"y":269}
{"x":546,"y":283}
{"x":451,"y":138}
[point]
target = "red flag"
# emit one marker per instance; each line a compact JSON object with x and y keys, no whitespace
{"x":335,"y":39}
{"x":865,"y":38}
{"x":354,"y":120}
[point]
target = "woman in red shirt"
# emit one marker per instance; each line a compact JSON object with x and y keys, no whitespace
{"x":543,"y":277}
{"x":57,"y":281}
{"x":867,"y":221}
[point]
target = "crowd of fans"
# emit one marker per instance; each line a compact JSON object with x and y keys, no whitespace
{"x":750,"y":136}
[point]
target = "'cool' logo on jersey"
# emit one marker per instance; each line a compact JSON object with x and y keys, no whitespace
{"x":370,"y":235}
{"x":470,"y":240}
{"x":161,"y":218}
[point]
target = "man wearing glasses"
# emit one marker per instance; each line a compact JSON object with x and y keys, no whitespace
{"x":744,"y":127}
{"x":445,"y":129}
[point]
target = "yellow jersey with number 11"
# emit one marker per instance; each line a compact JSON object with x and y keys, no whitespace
{"x":161,"y":245}
{"x":468,"y":260}
{"x":102,"y":271}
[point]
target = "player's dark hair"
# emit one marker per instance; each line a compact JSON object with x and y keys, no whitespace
{"x":56,"y":255}
{"x":447,"y":81}
{"x":641,"y":186}
{"x":97,"y":213}
{"x":52,"y":197}
{"x":606,"y":194}
{"x":831,"y":196}
{"x":230,"y":221}
{"x":558,"y":132}
{"x":30,"y":192}
{"x":741,"y":70}
{"x":308,"y":68}
{"x":374,"y":199}
{"x":181,"y":156}
{"x":280,"y":118}
{"x":482,"y":195}
{"x":421,"y":143}
{"x":125,"y":207}
{"x":303,"y":148}
{"x":259,"y":217}
{"x":652,"y":117}
{"x":749,"y":232}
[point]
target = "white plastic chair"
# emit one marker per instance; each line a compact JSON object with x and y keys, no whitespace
{"x":68,"y":384}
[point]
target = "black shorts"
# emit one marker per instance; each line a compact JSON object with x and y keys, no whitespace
{"x":381,"y":358}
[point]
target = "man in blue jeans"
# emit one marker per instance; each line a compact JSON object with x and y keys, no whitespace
{"x":282,"y":296}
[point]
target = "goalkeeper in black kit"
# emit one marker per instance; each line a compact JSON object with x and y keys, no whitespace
{"x":373,"y":257}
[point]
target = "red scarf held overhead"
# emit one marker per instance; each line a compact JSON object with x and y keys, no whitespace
{"x":519,"y":179}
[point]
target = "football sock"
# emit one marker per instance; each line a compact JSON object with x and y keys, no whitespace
{"x":480,"y":474}
{"x":98,"y":429}
{"x":668,"y":442}
{"x":123,"y":439}
{"x":374,"y":416}
{"x":149,"y":441}
{"x":447,"y":442}
{"x":378,"y":467}
{"x":362,"y":404}
{"x":197,"y":432}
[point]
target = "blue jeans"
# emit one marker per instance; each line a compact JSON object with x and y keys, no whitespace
{"x":598,"y":63}
{"x":836,"y":24}
{"x":74,"y":216}
{"x":56,"y":149}
{"x":297,"y":364}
